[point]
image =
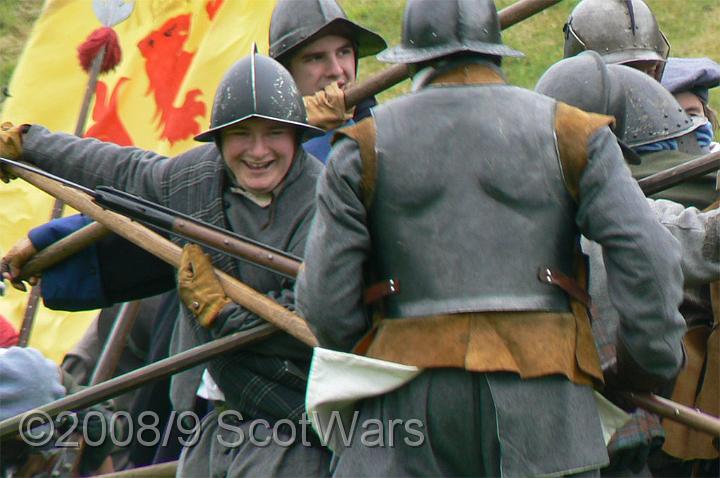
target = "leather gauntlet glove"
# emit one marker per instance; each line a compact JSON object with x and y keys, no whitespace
{"x":11,"y":265}
{"x":326,"y":108}
{"x":624,"y":374}
{"x":10,"y":146}
{"x":200,"y":290}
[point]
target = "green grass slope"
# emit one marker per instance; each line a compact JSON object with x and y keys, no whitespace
{"x":690,"y":25}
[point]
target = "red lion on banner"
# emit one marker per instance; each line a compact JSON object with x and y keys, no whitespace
{"x":166,"y":65}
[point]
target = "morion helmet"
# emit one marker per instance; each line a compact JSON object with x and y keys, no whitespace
{"x":257,"y":86}
{"x":433,"y":29}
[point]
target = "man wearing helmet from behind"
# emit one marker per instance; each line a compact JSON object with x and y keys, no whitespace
{"x":433,"y":202}
{"x":621,"y":31}
{"x":626,"y":32}
{"x":254,"y":179}
{"x":586,"y":82}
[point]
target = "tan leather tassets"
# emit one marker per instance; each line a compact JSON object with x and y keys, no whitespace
{"x":696,"y":389}
{"x":715,"y":302}
{"x":531,"y":344}
{"x":472,"y":74}
{"x":363,"y":133}
{"x":698,"y":386}
{"x":574,"y":128}
{"x":709,"y":396}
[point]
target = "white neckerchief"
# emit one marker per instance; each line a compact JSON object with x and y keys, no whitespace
{"x":263,"y":200}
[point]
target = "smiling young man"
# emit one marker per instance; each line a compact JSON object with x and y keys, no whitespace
{"x":320,"y":47}
{"x":259,"y":153}
{"x":252,"y":178}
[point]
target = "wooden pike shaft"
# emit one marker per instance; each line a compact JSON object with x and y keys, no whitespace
{"x":141,"y":376}
{"x":171,"y":253}
{"x":674,"y":411}
{"x":161,"y":470}
{"x":670,"y":177}
{"x":115,"y":343}
{"x":64,"y":248}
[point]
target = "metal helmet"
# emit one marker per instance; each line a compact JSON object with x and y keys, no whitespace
{"x":644,"y":111}
{"x":621,"y":31}
{"x":584,"y":81}
{"x":257,"y":86}
{"x":295,"y":22}
{"x":652,"y":113}
{"x":433,"y":29}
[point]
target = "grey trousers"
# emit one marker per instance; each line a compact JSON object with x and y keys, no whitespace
{"x":224,"y":449}
{"x":459,"y":430}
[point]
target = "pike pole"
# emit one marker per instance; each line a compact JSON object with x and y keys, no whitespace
{"x":354,"y":94}
{"x":264,"y":307}
{"x":670,"y":177}
{"x":169,"y":252}
{"x":138,"y":377}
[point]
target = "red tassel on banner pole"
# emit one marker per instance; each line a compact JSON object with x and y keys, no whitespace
{"x":89,"y":49}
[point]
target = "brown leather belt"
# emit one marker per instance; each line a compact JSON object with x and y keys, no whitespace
{"x":568,"y":284}
{"x":380,"y":290}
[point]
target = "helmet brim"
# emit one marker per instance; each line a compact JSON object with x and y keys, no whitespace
{"x":401,"y":54}
{"x":631,"y":55}
{"x":631,"y":157}
{"x":308,"y":131}
{"x":368,"y":42}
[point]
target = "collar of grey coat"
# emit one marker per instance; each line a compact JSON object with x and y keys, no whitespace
{"x":261,"y":200}
{"x":467,"y":71}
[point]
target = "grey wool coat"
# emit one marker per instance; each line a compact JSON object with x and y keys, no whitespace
{"x":494,"y":423}
{"x":265,"y":381}
{"x":195,"y":183}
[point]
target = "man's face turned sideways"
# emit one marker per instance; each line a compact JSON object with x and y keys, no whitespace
{"x":329,"y":58}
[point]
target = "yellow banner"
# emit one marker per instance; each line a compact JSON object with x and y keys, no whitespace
{"x":174,"y":54}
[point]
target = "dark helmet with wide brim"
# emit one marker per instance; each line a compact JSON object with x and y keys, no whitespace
{"x":257,"y":87}
{"x":433,"y":29}
{"x":297,"y":22}
{"x":644,"y":111}
{"x":652,"y":112}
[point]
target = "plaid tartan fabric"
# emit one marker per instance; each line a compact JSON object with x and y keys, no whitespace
{"x":643,"y":428}
{"x":269,"y":381}
{"x":262,"y":386}
{"x":604,"y":332}
{"x":194,"y":183}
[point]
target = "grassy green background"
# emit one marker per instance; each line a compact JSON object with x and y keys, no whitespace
{"x":690,"y":25}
